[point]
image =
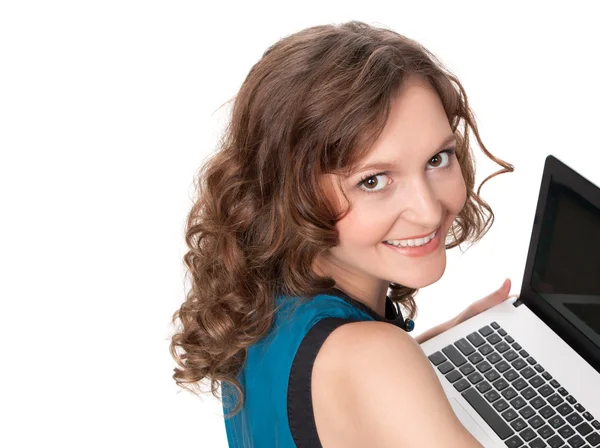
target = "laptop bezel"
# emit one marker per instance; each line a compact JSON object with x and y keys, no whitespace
{"x":558,"y":171}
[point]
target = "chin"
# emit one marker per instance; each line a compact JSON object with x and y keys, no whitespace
{"x":424,"y":277}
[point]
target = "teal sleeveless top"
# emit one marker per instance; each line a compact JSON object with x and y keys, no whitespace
{"x":277,"y":409}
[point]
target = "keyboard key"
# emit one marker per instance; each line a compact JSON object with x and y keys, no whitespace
{"x":538,"y":443}
{"x":483,"y":366}
{"x":593,"y":439}
{"x":547,"y":376}
{"x":493,"y":358}
{"x":467,"y":369}
{"x":531,"y":361}
{"x":493,"y":338}
{"x":518,"y":363}
{"x":574,"y":419}
{"x":519,"y":384}
{"x":555,"y":384}
{"x":487,"y":413}
{"x":509,"y":339}
{"x":539,"y":368}
{"x":475,"y":358}
{"x":524,"y":354}
{"x":516,"y":346}
{"x":527,"y":412}
{"x":492,"y":375}
{"x":453,"y":376}
{"x":536,"y":421}
{"x":575,"y":441}
{"x":584,"y":429}
{"x":518,"y":424}
{"x":556,"y":421}
{"x":510,"y":375}
{"x":536,"y":381}
{"x":518,"y":402}
{"x":500,"y":405}
{"x":579,"y":408}
{"x":528,"y":393}
{"x":464,"y":347}
{"x":563,"y":391}
{"x":528,"y":434}
{"x":461,"y":385}
{"x":500,"y":384}
{"x":545,"y":431}
{"x":485,"y":349}
{"x":555,"y":400}
{"x":588,"y":416}
{"x":564,"y":409}
{"x":475,"y":339}
{"x":483,"y":387}
{"x":547,"y":412}
{"x":596,"y":424}
{"x":510,"y":355}
{"x":495,"y":325}
{"x":502,"y":332}
{"x":545,"y":390}
{"x":555,"y":442}
{"x":437,"y":358}
{"x":502,"y":366}
{"x":475,"y":378}
{"x":566,"y":431}
{"x":514,"y":442}
{"x":502,"y":347}
{"x":452,"y":353}
{"x":527,"y":372}
{"x":492,"y":396}
{"x":571,"y":400}
{"x":509,"y":393}
{"x":509,"y":415}
{"x":485,"y":331}
{"x":445,"y":367}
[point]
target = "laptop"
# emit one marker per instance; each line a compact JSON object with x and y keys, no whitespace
{"x":526,"y":373}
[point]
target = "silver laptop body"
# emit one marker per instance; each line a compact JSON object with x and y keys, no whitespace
{"x":527,"y":372}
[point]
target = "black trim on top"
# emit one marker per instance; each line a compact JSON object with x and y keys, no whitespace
{"x":301,"y":418}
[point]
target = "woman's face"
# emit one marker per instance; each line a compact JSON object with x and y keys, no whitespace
{"x":415,"y":190}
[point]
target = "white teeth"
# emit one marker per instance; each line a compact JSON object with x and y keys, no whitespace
{"x":414,"y":242}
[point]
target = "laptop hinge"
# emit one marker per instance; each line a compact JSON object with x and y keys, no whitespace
{"x":517,"y":302}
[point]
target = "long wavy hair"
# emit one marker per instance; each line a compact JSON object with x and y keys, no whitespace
{"x":314,"y":103}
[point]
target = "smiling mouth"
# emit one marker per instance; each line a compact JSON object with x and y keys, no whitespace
{"x":414,"y":242}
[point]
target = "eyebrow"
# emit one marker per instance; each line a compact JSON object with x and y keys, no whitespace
{"x":389,"y":166}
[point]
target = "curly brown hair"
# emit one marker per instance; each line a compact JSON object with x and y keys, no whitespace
{"x":314,"y":103}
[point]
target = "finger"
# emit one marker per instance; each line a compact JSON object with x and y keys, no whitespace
{"x":499,"y":295}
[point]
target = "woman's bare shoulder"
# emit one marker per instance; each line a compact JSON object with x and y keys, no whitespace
{"x":372,"y":385}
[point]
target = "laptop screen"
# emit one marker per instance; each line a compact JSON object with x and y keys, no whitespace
{"x":566,"y":270}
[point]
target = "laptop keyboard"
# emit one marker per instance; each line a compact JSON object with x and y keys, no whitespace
{"x":513,"y":393}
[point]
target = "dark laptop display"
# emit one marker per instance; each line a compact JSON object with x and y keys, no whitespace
{"x":561,"y":283}
{"x":570,"y":237}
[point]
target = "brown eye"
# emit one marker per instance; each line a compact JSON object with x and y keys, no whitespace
{"x":435,"y":160}
{"x":441,"y":159}
{"x":371,"y":182}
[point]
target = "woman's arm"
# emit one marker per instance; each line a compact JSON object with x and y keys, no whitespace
{"x":473,"y":309}
{"x":372,"y":386}
{"x":432,"y":332}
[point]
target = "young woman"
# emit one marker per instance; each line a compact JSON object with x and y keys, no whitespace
{"x":344,"y":175}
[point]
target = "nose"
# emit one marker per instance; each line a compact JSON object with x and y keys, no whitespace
{"x":422,"y":205}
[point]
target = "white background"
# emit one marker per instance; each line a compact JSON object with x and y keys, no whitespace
{"x":106,"y":111}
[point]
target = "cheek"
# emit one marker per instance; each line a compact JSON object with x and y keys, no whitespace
{"x":362,"y":226}
{"x":451,"y":192}
{"x":456,"y":194}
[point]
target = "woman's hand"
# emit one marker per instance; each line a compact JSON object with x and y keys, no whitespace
{"x":474,"y":309}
